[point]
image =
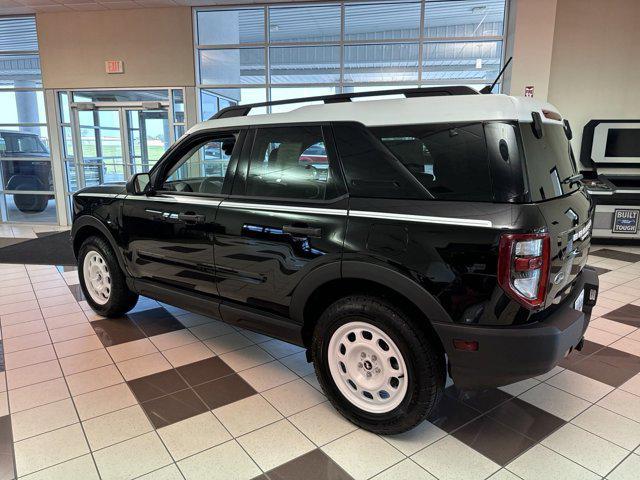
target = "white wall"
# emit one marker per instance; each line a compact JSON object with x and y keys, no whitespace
{"x":156,"y":45}
{"x":581,"y":55}
{"x":529,"y":40}
{"x":595,"y":69}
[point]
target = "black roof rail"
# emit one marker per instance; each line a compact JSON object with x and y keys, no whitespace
{"x":243,"y":110}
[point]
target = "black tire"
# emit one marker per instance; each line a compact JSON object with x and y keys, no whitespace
{"x":425,"y":363}
{"x":30,"y":203}
{"x":121,"y":299}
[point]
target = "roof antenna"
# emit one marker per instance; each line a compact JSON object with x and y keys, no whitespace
{"x":487,"y":88}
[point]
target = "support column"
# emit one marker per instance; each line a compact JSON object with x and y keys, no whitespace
{"x":27,"y":106}
{"x":57,"y":162}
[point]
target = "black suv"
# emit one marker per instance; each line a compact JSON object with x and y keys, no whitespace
{"x":443,"y":232}
{"x":29,"y":174}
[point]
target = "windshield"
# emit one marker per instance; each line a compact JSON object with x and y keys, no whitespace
{"x":549,"y":160}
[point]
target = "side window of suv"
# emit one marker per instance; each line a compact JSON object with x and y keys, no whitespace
{"x":289,"y":162}
{"x":203,"y":168}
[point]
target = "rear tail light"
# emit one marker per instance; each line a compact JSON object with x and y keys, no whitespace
{"x":523,"y":267}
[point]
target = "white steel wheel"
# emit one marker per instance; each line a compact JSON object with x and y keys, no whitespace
{"x":367,"y":367}
{"x":97,"y":278}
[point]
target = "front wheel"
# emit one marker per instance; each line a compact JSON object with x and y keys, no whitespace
{"x":377,"y":368}
{"x":103,"y":282}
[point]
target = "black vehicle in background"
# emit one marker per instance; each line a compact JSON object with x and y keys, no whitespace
{"x":397,"y":240}
{"x":28,"y":175}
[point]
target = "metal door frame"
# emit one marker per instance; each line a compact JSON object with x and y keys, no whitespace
{"x":122,"y":108}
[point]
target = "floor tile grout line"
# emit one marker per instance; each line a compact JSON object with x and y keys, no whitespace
{"x":613,"y":411}
{"x":287,"y":417}
{"x":72,"y":397}
{"x":55,"y":353}
{"x":190,"y":387}
{"x":314,"y":387}
{"x":540,"y":442}
{"x":56,"y":464}
{"x":563,"y":455}
{"x":613,"y":386}
{"x":161,"y":468}
{"x":84,"y":433}
{"x":399,"y":462}
{"x":52,"y":342}
{"x":210,"y":410}
{"x":6,"y":382}
{"x":518,"y":477}
{"x":220,"y":421}
{"x":618,"y":464}
{"x":155,"y":430}
{"x":598,"y":435}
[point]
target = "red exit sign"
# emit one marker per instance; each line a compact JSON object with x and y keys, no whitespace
{"x":114,"y":66}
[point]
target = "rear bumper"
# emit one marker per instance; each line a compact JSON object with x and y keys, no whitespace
{"x":509,"y":354}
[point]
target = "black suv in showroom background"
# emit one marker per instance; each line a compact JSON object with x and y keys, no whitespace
{"x":398,"y":240}
{"x":28,"y":175}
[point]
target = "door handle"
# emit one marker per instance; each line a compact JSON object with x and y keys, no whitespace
{"x":302,"y":231}
{"x":191,"y":218}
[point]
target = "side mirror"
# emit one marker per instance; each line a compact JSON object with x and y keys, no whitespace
{"x":139,"y":184}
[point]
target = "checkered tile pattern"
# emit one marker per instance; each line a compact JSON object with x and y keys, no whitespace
{"x":166,"y":394}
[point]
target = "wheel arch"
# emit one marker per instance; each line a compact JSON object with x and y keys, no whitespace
{"x":330,"y":282}
{"x":15,"y":181}
{"x":87,"y":226}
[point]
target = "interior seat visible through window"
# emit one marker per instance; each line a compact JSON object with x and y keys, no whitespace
{"x":289,"y":162}
{"x":450,"y":160}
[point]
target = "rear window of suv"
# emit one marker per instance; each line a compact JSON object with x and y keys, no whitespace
{"x":449,"y":160}
{"x":549,"y":161}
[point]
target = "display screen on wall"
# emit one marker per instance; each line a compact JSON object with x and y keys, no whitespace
{"x":623,"y":142}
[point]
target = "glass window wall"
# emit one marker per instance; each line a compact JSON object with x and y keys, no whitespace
{"x":109,"y":135}
{"x":26,"y":179}
{"x":249,"y":54}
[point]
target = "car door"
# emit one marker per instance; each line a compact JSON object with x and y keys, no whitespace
{"x":285,"y":217}
{"x":169,"y":234}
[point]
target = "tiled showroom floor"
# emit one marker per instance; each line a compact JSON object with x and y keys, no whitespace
{"x":164,"y":394}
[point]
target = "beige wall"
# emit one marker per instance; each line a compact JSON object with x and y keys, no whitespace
{"x":595,"y":69}
{"x":156,"y":45}
{"x":530,"y":42}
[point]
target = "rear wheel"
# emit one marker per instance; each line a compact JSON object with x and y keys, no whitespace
{"x":103,"y":282}
{"x":377,"y":368}
{"x":30,"y":203}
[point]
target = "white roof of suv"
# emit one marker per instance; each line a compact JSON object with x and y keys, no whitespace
{"x":400,"y":111}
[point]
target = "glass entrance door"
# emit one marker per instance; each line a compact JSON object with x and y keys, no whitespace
{"x":114,"y":143}
{"x":149,"y":138}
{"x":101,"y":151}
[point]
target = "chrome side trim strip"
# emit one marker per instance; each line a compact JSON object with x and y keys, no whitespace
{"x":422,"y":218}
{"x":285,"y":208}
{"x":99,"y":195}
{"x":621,"y":190}
{"x":177,"y":199}
{"x":362,"y":213}
{"x":315,"y":210}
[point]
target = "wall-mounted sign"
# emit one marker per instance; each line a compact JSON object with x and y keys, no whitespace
{"x":528,"y":91}
{"x":114,"y":66}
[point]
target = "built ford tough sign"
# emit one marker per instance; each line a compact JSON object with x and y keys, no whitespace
{"x":397,"y":239}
